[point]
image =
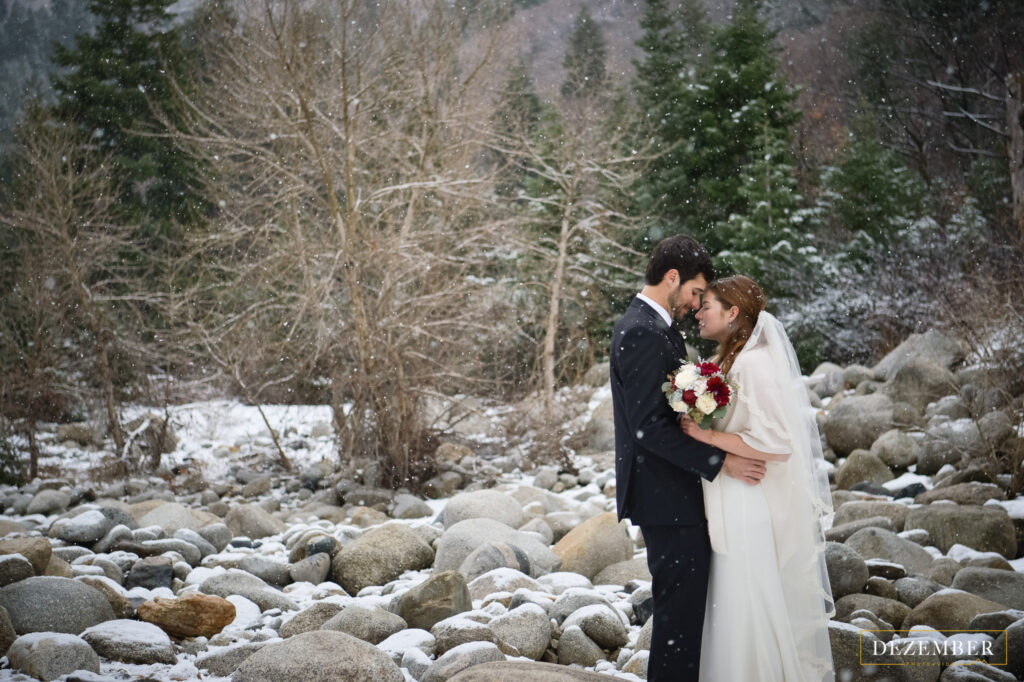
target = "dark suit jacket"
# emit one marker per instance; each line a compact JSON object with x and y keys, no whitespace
{"x":657,"y":466}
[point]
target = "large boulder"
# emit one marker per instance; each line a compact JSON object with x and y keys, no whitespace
{"x":601,"y":623}
{"x":594,"y":545}
{"x":49,"y":655}
{"x":950,"y":610}
{"x":501,"y":580}
{"x":494,"y":555}
{"x":933,"y":346}
{"x":862,"y":466}
{"x":826,"y":380}
{"x":441,"y":596}
{"x":311,"y":618}
{"x":1009,"y":647}
{"x":1004,"y":587}
{"x":920,"y":381}
{"x":49,"y":604}
{"x":380,"y":555}
{"x":847,"y":571}
{"x":48,"y":502}
{"x":190,"y":615}
{"x":319,"y":656}
{"x":623,"y":572}
{"x":131,"y":642}
{"x":83,"y":529}
{"x":986,"y":529}
{"x":947,"y":442}
{"x":875,"y":543}
{"x":858,"y":421}
{"x":459,"y":541}
{"x":889,"y":610}
{"x":253,"y":521}
{"x":14,"y":567}
{"x":483,"y":504}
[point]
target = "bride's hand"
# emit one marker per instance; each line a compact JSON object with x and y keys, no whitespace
{"x":693,"y":430}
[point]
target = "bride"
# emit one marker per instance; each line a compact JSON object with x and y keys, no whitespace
{"x":769,"y":599}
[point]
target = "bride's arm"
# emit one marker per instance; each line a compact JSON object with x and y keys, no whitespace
{"x":729,"y":442}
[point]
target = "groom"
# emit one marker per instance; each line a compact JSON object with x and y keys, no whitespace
{"x":657,"y":466}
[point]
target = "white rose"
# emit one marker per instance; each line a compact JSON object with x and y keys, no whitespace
{"x":700,"y":387}
{"x":678,"y":405}
{"x":687,"y":375}
{"x":707,"y":403}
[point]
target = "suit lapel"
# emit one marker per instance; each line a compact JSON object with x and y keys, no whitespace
{"x":673,"y":336}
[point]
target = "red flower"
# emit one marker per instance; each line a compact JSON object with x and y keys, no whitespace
{"x":722,"y":396}
{"x":690,"y":398}
{"x":715,"y":384}
{"x":708,"y":368}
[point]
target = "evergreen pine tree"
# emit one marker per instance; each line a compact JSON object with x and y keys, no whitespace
{"x":114,"y":78}
{"x":769,"y":240}
{"x":737,"y":103}
{"x":674,"y":42}
{"x":585,"y":58}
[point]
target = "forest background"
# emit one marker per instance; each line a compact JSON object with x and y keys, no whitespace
{"x":377,"y":205}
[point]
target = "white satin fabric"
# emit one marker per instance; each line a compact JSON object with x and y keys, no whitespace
{"x":768,"y":595}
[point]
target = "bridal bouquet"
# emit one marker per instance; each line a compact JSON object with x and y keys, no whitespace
{"x":700,"y":390}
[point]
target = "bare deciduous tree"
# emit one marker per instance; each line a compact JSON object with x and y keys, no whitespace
{"x":353,"y":212}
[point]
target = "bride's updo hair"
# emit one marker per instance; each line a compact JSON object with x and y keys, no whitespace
{"x":744,"y":293}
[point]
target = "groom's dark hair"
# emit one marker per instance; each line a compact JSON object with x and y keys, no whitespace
{"x":681,"y":253}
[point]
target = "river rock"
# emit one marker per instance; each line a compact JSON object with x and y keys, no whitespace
{"x":875,"y":543}
{"x":493,"y":555}
{"x":594,"y":545}
{"x":380,"y":555}
{"x":311,"y":618}
{"x":896,"y":449}
{"x":441,"y":596}
{"x":451,"y":632}
{"x":861,"y":466}
{"x":236,"y":582}
{"x":483,"y":504}
{"x":172,"y":516}
{"x":601,"y":623}
{"x":574,"y":647}
{"x":253,"y":521}
{"x":858,"y":421}
{"x":36,"y":549}
{"x":84,"y":529}
{"x":370,"y":624}
{"x":131,"y":641}
{"x":459,"y":541}
{"x":502,"y":580}
{"x":224,"y":660}
{"x":151,"y":573}
{"x":319,"y":656}
{"x":847,"y":571}
{"x":49,"y":655}
{"x":526,"y":629}
{"x":889,"y":610}
{"x":950,"y":610}
{"x":1004,"y":587}
{"x":986,"y":529}
{"x":932,"y":346}
{"x":48,"y":604}
{"x":970,"y":493}
{"x":599,"y":433}
{"x":845,"y":531}
{"x":190,"y":615}
{"x":920,"y":381}
{"x":114,"y":593}
{"x":313,"y":569}
{"x":48,"y":502}
{"x":460,"y":658}
{"x":14,"y":567}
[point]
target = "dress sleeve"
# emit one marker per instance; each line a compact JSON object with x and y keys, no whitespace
{"x":761,"y":398}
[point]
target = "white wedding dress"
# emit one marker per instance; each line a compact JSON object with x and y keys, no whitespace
{"x":768,"y":596}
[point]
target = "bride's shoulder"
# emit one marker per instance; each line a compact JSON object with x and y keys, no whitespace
{"x":752,"y":359}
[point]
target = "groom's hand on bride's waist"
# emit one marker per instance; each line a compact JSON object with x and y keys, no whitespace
{"x":750,"y":471}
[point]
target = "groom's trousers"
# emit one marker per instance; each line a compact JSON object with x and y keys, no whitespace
{"x":679,"y":558}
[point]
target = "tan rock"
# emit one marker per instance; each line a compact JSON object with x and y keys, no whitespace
{"x":594,"y":545}
{"x":190,"y":615}
{"x":36,"y":549}
{"x":58,"y":567}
